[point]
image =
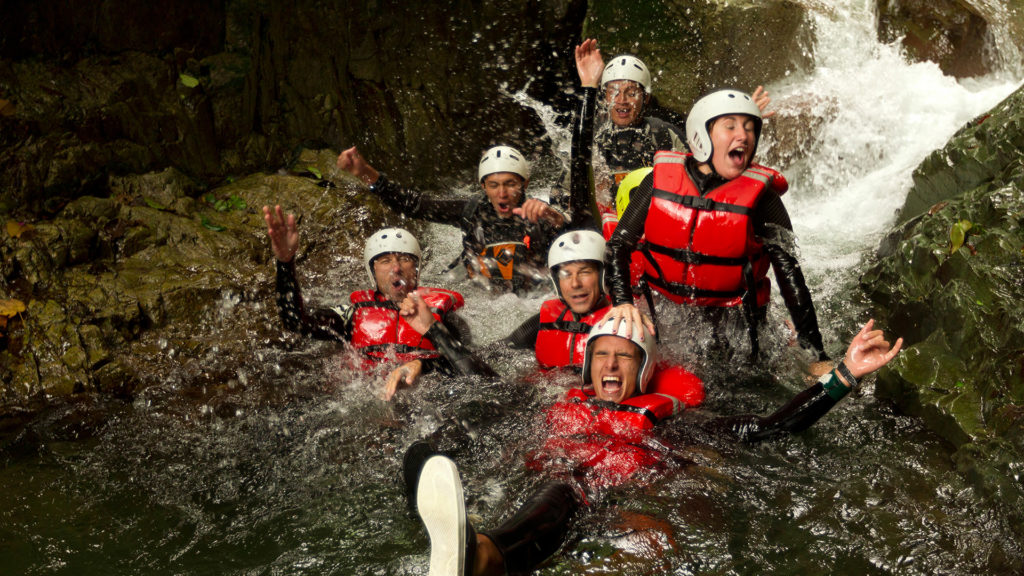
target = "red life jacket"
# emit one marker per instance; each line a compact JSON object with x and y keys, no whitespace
{"x":608,"y":438}
{"x":561,"y":340}
{"x":702,"y":249}
{"x":378,"y":331}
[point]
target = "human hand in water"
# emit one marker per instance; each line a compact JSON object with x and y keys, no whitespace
{"x":630,"y":315}
{"x":589,"y":64}
{"x":534,"y":209}
{"x":352,"y":161}
{"x":762,"y":100}
{"x":416,"y":313}
{"x":869,"y":351}
{"x":404,"y":376}
{"x":283,"y":232}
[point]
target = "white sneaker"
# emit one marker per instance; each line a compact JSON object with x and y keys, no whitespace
{"x":442,"y":508}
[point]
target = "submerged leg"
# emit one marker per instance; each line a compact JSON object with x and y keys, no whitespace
{"x":538,"y":529}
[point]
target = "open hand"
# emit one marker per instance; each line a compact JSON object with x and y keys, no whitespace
{"x":404,"y":376}
{"x":869,"y":351}
{"x":283,"y":232}
{"x":589,"y":63}
{"x":534,"y":209}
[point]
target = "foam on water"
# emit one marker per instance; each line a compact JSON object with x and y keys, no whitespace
{"x":878,"y":117}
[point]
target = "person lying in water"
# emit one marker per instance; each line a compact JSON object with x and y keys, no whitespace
{"x":558,"y":333}
{"x":504,"y":239}
{"x":370,"y":321}
{"x":597,"y":436}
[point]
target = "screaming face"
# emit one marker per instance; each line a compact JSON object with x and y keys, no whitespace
{"x":614,"y":366}
{"x":732,"y":139}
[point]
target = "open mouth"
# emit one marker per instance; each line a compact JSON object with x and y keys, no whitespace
{"x":611,"y":384}
{"x":738,"y":154}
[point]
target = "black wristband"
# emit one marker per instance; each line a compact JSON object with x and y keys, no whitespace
{"x":843,"y":370}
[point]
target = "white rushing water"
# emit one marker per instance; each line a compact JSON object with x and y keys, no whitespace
{"x":877,"y":117}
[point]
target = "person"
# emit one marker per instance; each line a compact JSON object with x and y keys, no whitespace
{"x":626,"y":136}
{"x":600,"y":428}
{"x":504,"y":239}
{"x":558,"y":333}
{"x":370,"y":321}
{"x":712,"y":224}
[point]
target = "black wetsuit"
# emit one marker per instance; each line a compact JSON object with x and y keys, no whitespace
{"x":771,"y":223}
{"x":336,"y":323}
{"x":540,"y":526}
{"x":621,"y":149}
{"x":479,"y":223}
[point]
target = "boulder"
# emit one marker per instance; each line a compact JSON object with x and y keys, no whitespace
{"x":950,"y":280}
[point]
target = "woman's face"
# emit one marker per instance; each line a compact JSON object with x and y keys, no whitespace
{"x":732,"y":139}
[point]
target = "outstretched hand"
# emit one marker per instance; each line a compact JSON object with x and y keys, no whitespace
{"x":589,"y":64}
{"x":402,"y":377}
{"x":763,"y":100}
{"x":283,"y":232}
{"x":416,"y":313}
{"x":352,"y":161}
{"x":869,"y":351}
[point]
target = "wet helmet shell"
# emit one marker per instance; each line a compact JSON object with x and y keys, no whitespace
{"x":715,"y":104}
{"x":503,"y":159}
{"x":388,"y":240}
{"x":647,"y":347}
{"x":573,"y":247}
{"x":627,"y":67}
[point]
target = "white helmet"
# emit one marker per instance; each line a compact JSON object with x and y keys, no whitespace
{"x":503,"y":159}
{"x":647,"y":347}
{"x":574,"y":246}
{"x":712,"y":106}
{"x":626,"y":67}
{"x":388,"y":240}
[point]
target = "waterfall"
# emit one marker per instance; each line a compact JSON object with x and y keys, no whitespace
{"x":874,"y":117}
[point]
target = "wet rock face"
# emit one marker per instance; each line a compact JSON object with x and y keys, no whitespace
{"x":950,"y":280}
{"x":953,"y":34}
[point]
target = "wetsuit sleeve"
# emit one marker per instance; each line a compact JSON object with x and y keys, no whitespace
{"x":624,"y":240}
{"x":772,"y":223}
{"x":582,"y":206}
{"x":463,"y":361}
{"x":416,"y":204}
{"x":797,"y":415}
{"x":525,"y":336}
{"x":322,"y":324}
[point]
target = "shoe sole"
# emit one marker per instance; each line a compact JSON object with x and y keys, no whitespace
{"x":441,"y":506}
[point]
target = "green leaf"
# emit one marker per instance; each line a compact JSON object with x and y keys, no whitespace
{"x":211,"y":226}
{"x":154,"y":204}
{"x":315,"y":172}
{"x":957,"y":235}
{"x":188,"y":81}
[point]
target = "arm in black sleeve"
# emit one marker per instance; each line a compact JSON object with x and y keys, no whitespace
{"x":797,"y":415}
{"x":416,"y":204}
{"x":620,"y":248}
{"x":525,"y":336}
{"x":322,"y":324}
{"x":463,"y":361}
{"x":582,"y":204}
{"x":774,"y":226}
